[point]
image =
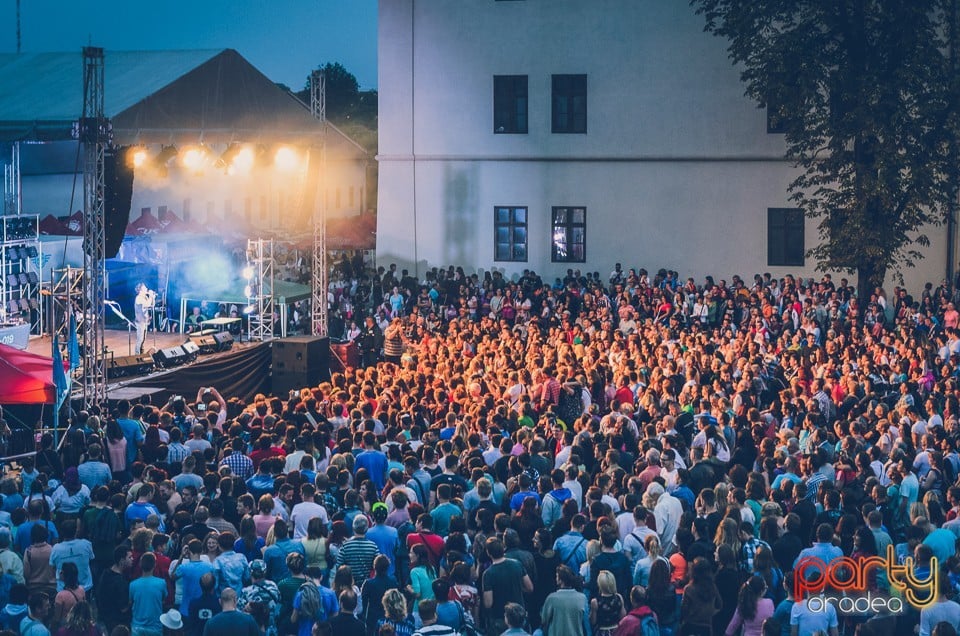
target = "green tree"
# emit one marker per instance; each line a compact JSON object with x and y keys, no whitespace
{"x":864,"y":91}
{"x":342,"y":90}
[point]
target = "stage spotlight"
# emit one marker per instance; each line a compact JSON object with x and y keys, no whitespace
{"x":248,"y":291}
{"x":164,"y":156}
{"x":248,"y":272}
{"x":286,"y":159}
{"x":249,"y":309}
{"x":194,"y":159}
{"x":137,"y":157}
{"x":242,"y":162}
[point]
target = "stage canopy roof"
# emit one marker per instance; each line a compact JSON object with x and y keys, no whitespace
{"x":158,"y":97}
{"x":284,"y":292}
{"x":26,"y":378}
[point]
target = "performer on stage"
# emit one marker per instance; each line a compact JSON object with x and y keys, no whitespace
{"x":143,"y":308}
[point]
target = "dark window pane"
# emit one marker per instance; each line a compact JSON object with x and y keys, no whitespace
{"x":510,"y":233}
{"x":510,"y":104}
{"x":569,"y":104}
{"x":785,"y":237}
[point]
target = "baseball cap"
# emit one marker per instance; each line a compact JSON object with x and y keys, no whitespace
{"x":258,"y":567}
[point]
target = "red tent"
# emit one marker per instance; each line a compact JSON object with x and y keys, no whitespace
{"x":26,"y":378}
{"x":51,"y":225}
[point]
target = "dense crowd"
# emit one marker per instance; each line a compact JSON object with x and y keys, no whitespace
{"x":627,"y":454}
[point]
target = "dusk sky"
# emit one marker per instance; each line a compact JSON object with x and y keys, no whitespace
{"x":285,"y":39}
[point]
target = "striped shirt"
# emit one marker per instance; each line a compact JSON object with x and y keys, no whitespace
{"x":358,"y":553}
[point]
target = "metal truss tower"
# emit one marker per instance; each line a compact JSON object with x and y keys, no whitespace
{"x":94,"y":134}
{"x":260,"y":289}
{"x":318,"y":297}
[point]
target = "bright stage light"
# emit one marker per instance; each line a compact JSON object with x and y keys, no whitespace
{"x":242,"y":162}
{"x":286,"y":159}
{"x":249,"y":309}
{"x":248,"y":272}
{"x":248,"y":291}
{"x":194,"y":159}
{"x":137,"y":157}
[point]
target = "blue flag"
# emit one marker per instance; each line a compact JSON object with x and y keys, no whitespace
{"x":60,"y":379}
{"x":73,"y":347}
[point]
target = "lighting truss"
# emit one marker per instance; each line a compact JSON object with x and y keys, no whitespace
{"x":66,"y":289}
{"x":94,"y":134}
{"x":318,"y":295}
{"x":260,"y":295}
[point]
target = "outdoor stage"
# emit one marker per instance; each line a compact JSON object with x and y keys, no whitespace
{"x":242,"y":371}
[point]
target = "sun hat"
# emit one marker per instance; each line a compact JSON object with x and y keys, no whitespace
{"x":171,"y":619}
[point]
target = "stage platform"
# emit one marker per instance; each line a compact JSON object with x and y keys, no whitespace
{"x":117,"y":344}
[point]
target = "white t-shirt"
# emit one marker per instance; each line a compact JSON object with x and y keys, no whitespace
{"x":301,"y":515}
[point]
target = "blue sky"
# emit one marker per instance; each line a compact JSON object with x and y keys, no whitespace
{"x":285,"y":39}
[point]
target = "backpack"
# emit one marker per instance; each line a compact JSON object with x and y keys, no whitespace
{"x":106,"y":528}
{"x":649,"y":626}
{"x":310,"y":602}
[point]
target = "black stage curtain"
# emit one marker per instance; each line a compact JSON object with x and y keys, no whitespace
{"x":242,"y":373}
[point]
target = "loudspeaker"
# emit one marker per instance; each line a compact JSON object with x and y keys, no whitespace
{"x":117,"y":195}
{"x":129,"y":365}
{"x":171,"y":357}
{"x":205,"y":343}
{"x":224,"y":340}
{"x":302,"y":355}
{"x":191,"y":349}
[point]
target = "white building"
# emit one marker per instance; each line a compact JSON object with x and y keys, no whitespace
{"x":556,"y":134}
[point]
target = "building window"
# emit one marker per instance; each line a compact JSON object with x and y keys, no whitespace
{"x":510,"y":104}
{"x":570,"y":104}
{"x":569,"y":236}
{"x":785,"y":237}
{"x":510,"y":234}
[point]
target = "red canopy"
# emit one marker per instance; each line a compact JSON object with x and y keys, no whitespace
{"x":26,"y":378}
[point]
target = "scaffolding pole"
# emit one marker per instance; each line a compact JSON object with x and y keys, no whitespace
{"x":259,"y":292}
{"x":319,"y":285}
{"x":94,"y":134}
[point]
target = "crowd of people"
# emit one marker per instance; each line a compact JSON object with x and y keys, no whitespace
{"x":627,"y":454}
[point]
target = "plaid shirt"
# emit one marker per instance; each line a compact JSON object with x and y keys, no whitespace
{"x":813,"y":485}
{"x":240,"y":465}
{"x":748,"y":552}
{"x":176,"y":452}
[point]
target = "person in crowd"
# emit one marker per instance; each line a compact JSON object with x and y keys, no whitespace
{"x":708,"y":440}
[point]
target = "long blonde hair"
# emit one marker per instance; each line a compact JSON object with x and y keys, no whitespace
{"x":606,"y":583}
{"x":728,"y":532}
{"x":394,"y":605}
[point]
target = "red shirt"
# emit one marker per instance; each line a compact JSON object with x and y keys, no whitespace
{"x":434,"y":543}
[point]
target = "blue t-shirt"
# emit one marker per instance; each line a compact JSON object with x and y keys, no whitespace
{"x":134,"y":436}
{"x":23,"y":534}
{"x":190,"y":572}
{"x":146,"y":598}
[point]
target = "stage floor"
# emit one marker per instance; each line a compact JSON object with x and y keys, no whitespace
{"x":118,"y":344}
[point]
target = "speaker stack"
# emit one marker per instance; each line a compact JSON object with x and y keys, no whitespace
{"x":171,"y":357}
{"x":300,"y":361}
{"x":130,"y":365}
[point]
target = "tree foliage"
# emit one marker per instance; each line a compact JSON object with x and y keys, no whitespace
{"x":865,"y":91}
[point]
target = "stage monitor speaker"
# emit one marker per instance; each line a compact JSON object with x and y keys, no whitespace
{"x":205,"y":343}
{"x":129,"y":365}
{"x":224,"y":340}
{"x":191,"y":349}
{"x":117,"y":195}
{"x":171,"y":357}
{"x":302,"y":355}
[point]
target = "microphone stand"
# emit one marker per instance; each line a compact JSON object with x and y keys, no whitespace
{"x":130,"y":326}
